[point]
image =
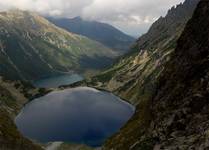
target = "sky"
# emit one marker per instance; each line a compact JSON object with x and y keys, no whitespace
{"x":133,"y":17}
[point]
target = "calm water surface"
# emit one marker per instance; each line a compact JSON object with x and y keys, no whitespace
{"x":56,"y":81}
{"x":80,"y":115}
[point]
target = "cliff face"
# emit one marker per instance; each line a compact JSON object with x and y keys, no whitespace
{"x":10,"y":138}
{"x":134,"y":77}
{"x":13,"y":95}
{"x":181,"y":106}
{"x":179,"y":110}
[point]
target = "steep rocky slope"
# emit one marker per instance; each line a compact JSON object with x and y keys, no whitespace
{"x":177,"y":114}
{"x":10,"y":138}
{"x":13,"y":95}
{"x":32,"y":47}
{"x":134,"y":76}
{"x":101,"y":32}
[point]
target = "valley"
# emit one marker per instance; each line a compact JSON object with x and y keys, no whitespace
{"x":37,"y":52}
{"x":101,"y":32}
{"x":153,"y":97}
{"x":134,"y":77}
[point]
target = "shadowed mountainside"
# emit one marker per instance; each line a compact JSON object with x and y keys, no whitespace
{"x":134,"y":76}
{"x":101,"y":32}
{"x":177,"y":114}
{"x":13,"y":95}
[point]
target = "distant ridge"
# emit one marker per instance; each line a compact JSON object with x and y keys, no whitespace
{"x":101,"y":32}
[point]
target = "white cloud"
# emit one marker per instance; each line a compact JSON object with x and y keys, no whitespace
{"x":132,"y":16}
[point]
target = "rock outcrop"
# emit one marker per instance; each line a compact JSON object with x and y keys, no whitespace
{"x":13,"y":95}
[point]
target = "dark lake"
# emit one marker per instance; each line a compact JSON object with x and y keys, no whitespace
{"x":81,"y":115}
{"x":56,"y":81}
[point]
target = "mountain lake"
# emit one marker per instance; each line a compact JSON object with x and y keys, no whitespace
{"x":80,"y":115}
{"x":56,"y":81}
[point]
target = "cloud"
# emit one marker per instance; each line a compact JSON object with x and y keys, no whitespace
{"x":132,"y":16}
{"x":68,"y":8}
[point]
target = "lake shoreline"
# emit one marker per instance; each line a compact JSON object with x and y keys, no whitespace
{"x":59,"y":90}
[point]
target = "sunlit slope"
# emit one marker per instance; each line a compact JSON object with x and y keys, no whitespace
{"x":134,"y":76}
{"x":32,"y":47}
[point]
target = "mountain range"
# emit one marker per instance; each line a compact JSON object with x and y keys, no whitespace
{"x":31,"y":47}
{"x":101,"y":32}
{"x":177,"y":114}
{"x":134,"y":76}
{"x":166,"y":77}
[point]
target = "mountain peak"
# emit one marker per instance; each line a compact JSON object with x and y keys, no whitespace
{"x":18,"y":13}
{"x":78,"y":18}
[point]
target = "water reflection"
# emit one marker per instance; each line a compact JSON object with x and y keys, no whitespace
{"x":80,"y":115}
{"x":56,"y":81}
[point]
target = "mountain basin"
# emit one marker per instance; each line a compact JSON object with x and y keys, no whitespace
{"x":80,"y":115}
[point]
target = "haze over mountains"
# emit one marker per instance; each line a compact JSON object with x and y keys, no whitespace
{"x":101,"y":32}
{"x":166,"y":76}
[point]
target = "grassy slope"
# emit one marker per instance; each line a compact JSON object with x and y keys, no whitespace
{"x":27,"y":39}
{"x":101,"y":32}
{"x":134,"y":77}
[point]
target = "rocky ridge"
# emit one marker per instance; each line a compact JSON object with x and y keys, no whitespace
{"x":177,"y":114}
